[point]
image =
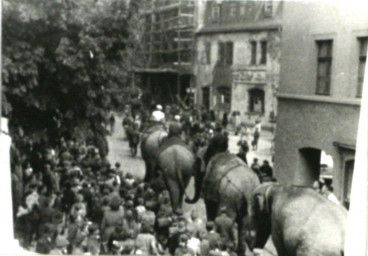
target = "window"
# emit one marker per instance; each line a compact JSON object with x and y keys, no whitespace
{"x":208,"y":52}
{"x":267,"y":10}
{"x":256,"y":100}
{"x":242,"y":9}
{"x":263,"y":52}
{"x":215,"y":13}
{"x":233,"y":8}
{"x":224,"y":96}
{"x":226,"y":53}
{"x":253,"y":58}
{"x":362,"y":59}
{"x":324,"y":61}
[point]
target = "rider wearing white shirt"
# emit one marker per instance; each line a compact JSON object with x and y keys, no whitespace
{"x":158,"y":115}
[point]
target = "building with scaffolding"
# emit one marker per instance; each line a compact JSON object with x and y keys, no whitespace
{"x":167,"y":51}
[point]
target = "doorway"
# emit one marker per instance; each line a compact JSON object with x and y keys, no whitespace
{"x":314,"y":164}
{"x":256,"y":100}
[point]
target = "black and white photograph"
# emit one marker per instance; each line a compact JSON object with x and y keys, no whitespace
{"x":184,"y":127}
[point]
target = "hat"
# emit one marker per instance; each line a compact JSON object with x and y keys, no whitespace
{"x":159,"y":107}
{"x":115,"y":202}
{"x":175,"y":129}
{"x":183,"y":238}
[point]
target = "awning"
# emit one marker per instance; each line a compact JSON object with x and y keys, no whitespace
{"x":343,"y":145}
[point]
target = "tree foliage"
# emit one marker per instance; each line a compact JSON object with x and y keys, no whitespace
{"x":63,"y":63}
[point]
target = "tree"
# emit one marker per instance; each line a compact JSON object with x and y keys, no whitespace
{"x":63,"y":62}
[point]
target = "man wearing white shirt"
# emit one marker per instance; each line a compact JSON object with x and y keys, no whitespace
{"x":158,"y":115}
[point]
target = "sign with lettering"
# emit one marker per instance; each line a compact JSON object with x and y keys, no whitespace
{"x":249,"y":76}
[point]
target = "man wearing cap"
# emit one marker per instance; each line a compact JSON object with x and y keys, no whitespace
{"x":158,"y":115}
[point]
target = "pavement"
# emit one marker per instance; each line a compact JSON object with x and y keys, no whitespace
{"x":119,"y":152}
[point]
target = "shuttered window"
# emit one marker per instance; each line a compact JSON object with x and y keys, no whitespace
{"x":363,"y":41}
{"x":324,"y":61}
{"x":225,"y":52}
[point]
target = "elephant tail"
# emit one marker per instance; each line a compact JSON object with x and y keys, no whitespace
{"x":179,"y":177}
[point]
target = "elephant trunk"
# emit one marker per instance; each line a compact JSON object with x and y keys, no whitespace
{"x":198,"y":177}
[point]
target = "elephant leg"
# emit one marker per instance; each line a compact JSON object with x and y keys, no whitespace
{"x":211,"y":209}
{"x":175,"y":194}
{"x":150,"y":169}
{"x":241,"y":221}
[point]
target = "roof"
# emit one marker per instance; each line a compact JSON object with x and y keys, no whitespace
{"x":240,"y":28}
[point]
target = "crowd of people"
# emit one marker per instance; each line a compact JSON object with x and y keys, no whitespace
{"x":75,"y":202}
{"x":72,"y":200}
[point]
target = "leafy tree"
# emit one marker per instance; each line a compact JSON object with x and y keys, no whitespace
{"x":63,"y":63}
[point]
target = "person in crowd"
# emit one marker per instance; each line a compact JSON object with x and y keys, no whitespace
{"x":255,"y":166}
{"x":112,"y":123}
{"x":217,"y":144}
{"x":256,"y":135}
{"x":193,"y":242}
{"x":111,"y":219}
{"x":327,"y":191}
{"x":145,"y":243}
{"x":196,"y":222}
{"x":60,"y":248}
{"x":243,"y":150}
{"x":134,"y":138}
{"x":183,"y":249}
{"x":212,"y":236}
{"x":204,"y":246}
{"x":224,"y":226}
{"x":265,"y":171}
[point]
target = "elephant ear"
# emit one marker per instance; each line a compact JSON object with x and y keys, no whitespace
{"x":260,"y":199}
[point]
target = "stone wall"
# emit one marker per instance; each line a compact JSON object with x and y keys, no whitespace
{"x":244,"y":76}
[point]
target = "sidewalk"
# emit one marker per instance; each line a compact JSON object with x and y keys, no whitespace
{"x":262,"y":153}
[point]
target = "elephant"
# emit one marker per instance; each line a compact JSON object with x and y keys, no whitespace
{"x":226,"y":182}
{"x":176,"y":162}
{"x":150,"y":144}
{"x":300,"y":221}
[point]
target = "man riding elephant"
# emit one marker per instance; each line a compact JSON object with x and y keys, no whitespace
{"x":218,"y":144}
{"x":158,"y":115}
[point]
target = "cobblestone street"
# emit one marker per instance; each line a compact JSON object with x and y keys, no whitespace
{"x":119,"y":152}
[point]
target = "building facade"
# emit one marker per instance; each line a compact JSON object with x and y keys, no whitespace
{"x":165,"y":74}
{"x":322,"y":67}
{"x":238,"y":54}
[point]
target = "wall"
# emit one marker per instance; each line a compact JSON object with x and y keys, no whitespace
{"x":311,"y":124}
{"x":306,"y":120}
{"x":310,"y":21}
{"x":241,"y":69}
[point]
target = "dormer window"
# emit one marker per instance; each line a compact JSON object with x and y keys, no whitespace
{"x":267,"y":9}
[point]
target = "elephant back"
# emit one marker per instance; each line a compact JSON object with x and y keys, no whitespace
{"x":173,"y":141}
{"x":219,"y":167}
{"x":151,"y":143}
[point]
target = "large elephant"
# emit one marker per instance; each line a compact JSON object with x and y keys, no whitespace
{"x":225,"y":182}
{"x":301,"y":221}
{"x":176,"y":162}
{"x":150,"y":145}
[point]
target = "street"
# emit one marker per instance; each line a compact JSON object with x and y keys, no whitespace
{"x":119,"y":152}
